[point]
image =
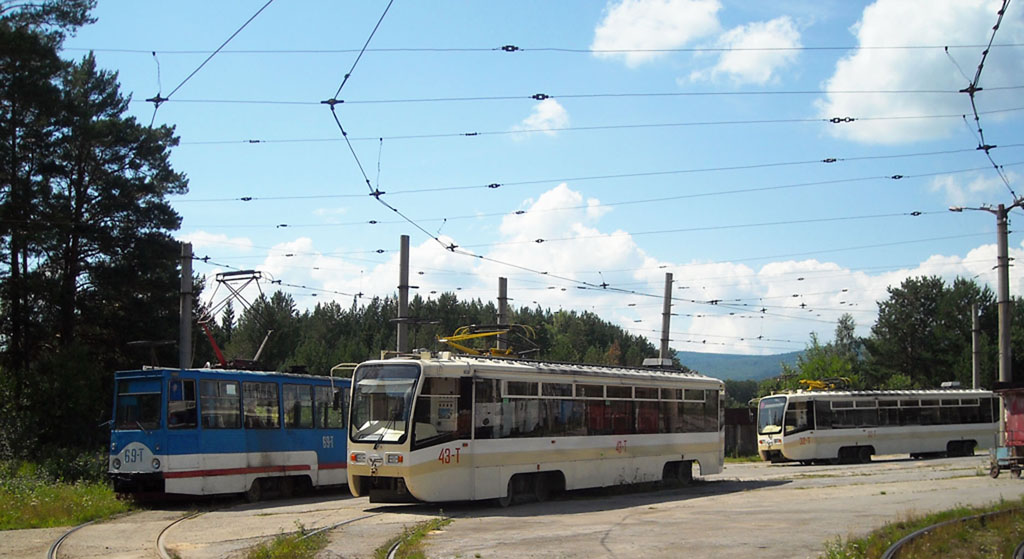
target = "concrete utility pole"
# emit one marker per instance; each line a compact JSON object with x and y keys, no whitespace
{"x":185,"y":310}
{"x":664,"y":360}
{"x":1003,"y":299}
{"x":403,"y":296}
{"x":975,"y":347}
{"x":502,"y":310}
{"x":1003,"y":278}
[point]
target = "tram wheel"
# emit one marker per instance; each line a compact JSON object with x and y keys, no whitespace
{"x":541,"y":488}
{"x":864,"y":454}
{"x":505,"y":501}
{"x":255,"y":491}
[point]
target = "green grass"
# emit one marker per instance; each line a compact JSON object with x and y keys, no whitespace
{"x":30,"y":499}
{"x":965,"y":542}
{"x":297,"y":545}
{"x":412,"y":540}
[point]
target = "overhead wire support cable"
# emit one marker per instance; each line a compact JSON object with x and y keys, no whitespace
{"x":158,"y":99}
{"x":973,"y":87}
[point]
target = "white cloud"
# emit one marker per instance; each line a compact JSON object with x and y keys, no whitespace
{"x":898,"y":22}
{"x":203,"y":240}
{"x":651,"y":25}
{"x":745,"y":62}
{"x":547,"y":116}
{"x":973,"y":192}
{"x":765,"y":310}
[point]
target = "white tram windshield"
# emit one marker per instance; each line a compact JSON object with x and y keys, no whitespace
{"x":770,"y":414}
{"x":382,"y":398}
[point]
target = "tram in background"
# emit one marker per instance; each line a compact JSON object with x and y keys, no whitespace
{"x":207,"y":432}
{"x":851,"y":426}
{"x":451,"y":428}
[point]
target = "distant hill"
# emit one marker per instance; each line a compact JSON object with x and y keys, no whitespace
{"x":737,"y":367}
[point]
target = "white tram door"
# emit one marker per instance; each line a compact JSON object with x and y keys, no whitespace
{"x":442,"y":438}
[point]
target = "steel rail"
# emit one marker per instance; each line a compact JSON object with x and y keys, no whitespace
{"x":52,"y":554}
{"x":894,"y":550}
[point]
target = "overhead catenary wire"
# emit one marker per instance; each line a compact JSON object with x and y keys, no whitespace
{"x":653,"y":125}
{"x":158,"y":99}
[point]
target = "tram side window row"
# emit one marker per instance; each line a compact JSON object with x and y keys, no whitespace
{"x":223,"y":404}
{"x":853,"y":414}
{"x":526,"y":411}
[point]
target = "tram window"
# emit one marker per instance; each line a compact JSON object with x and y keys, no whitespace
{"x":181,"y":404}
{"x":865,"y":404}
{"x":646,"y":417}
{"x":219,"y":404}
{"x":798,"y":417}
{"x":888,"y":403}
{"x":557,"y":390}
{"x":988,"y":410}
{"x":910,"y":403}
{"x":929,"y":403}
{"x":590,"y":391}
{"x":711,"y":411}
{"x":138,"y":405}
{"x":968,"y":401}
{"x":519,"y":388}
{"x":953,"y":402}
{"x":262,"y":408}
{"x":645,"y":393}
{"x":327,"y":416}
{"x":929,"y":415}
{"x":693,"y":395}
{"x":693,"y":417}
{"x":823,"y":414}
{"x":298,"y":406}
{"x":842,"y":404}
{"x":487,"y":409}
{"x":888,"y":416}
{"x":910,"y":416}
{"x":671,"y":417}
{"x":443,"y":417}
{"x":671,"y":393}
{"x":440,"y":386}
{"x":615,"y":391}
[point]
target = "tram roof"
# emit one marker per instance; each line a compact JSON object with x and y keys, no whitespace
{"x":529,"y":366}
{"x":924,"y":393}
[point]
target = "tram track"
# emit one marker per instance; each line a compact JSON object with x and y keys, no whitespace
{"x":97,"y":538}
{"x":896,"y":549}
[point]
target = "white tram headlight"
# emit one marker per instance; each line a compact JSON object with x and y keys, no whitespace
{"x":117,"y":463}
{"x":394,"y":458}
{"x":156,"y":463}
{"x":357,"y":458}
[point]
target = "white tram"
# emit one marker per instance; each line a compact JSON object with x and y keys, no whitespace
{"x":450,"y":428}
{"x":851,"y":426}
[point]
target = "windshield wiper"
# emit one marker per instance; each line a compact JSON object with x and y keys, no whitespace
{"x":141,"y":427}
{"x":384,"y":431}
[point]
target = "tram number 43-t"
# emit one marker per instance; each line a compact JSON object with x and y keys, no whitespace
{"x":447,"y":456}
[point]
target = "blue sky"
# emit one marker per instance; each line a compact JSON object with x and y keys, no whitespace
{"x":682,"y":136}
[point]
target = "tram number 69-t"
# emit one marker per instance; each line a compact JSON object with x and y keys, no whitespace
{"x":446,"y":456}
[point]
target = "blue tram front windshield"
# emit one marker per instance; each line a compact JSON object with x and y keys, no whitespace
{"x":382,"y":399}
{"x":769,"y":415}
{"x":138,"y":404}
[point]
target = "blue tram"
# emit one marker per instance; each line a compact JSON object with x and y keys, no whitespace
{"x":208,"y":431}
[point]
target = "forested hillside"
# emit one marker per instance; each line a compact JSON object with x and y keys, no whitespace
{"x":330,"y":333}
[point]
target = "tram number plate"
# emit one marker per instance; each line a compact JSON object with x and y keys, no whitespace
{"x":805,"y":440}
{"x":447,"y":456}
{"x":133,"y":455}
{"x":328,"y":441}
